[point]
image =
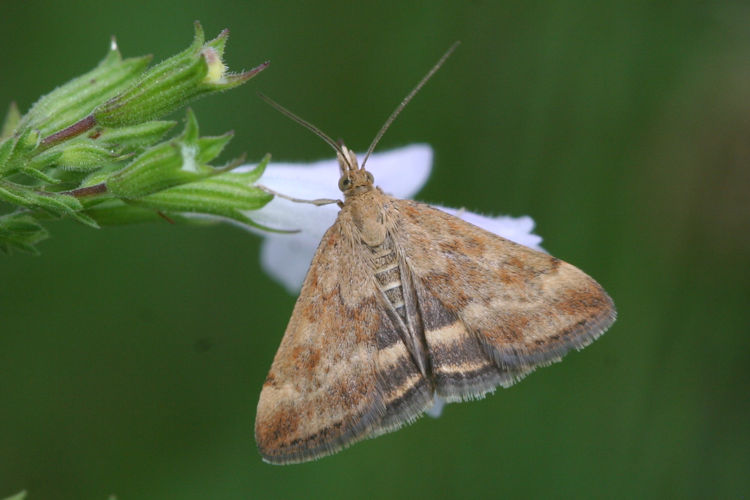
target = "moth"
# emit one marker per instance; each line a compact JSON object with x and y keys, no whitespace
{"x":404,"y":302}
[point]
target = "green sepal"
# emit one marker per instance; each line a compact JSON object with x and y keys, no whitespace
{"x":99,"y":176}
{"x":39,"y":175}
{"x":253,"y":175}
{"x":226,"y":195}
{"x":80,"y":155}
{"x":207,"y":148}
{"x":135,"y":137}
{"x":191,"y":132}
{"x":64,"y":205}
{"x":18,"y":152}
{"x":153,"y":170}
{"x":58,"y":204}
{"x":76,"y":99}
{"x":12,"y":119}
{"x":6,"y":149}
{"x":148,"y":172}
{"x":84,"y":155}
{"x":85,"y":219}
{"x":211,"y":147}
{"x":219,"y":43}
{"x":14,"y":196}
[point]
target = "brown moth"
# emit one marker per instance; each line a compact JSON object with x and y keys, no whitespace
{"x":403,"y":302}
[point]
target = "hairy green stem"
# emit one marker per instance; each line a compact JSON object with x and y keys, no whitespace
{"x":77,"y":128}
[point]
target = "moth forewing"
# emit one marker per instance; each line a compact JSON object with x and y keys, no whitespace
{"x":343,"y":371}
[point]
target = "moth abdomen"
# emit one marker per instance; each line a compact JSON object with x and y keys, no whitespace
{"x":388,"y":276}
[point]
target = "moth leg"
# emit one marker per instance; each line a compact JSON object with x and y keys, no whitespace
{"x":317,"y":202}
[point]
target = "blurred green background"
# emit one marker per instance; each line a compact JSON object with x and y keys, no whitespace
{"x":132,"y":358}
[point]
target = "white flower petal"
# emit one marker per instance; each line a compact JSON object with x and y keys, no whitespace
{"x":400,"y":172}
{"x":287,"y":259}
{"x":518,"y":229}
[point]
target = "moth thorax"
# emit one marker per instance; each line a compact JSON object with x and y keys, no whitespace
{"x":369,"y":221}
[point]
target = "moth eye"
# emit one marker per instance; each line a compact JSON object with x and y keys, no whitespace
{"x":370,"y":178}
{"x":344,"y":183}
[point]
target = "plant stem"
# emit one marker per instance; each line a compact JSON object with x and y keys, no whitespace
{"x":77,"y":128}
{"x":88,"y":190}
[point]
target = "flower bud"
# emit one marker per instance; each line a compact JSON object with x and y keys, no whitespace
{"x":73,"y":101}
{"x":171,"y":84}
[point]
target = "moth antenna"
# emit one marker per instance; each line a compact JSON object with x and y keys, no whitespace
{"x":309,"y":126}
{"x":406,"y":100}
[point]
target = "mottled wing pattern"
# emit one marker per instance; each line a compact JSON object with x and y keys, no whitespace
{"x":492,"y":310}
{"x":342,"y":371}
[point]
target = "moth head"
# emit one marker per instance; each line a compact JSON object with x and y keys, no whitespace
{"x":353,"y":179}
